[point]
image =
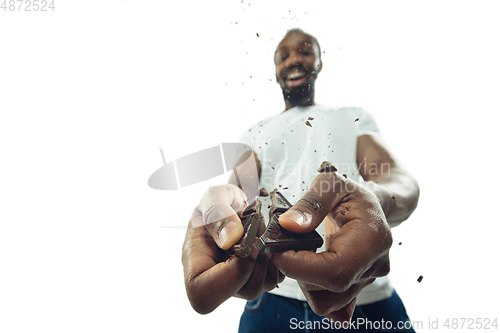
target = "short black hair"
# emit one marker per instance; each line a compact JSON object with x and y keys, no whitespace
{"x":315,"y":40}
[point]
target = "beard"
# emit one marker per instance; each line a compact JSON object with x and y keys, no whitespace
{"x":301,"y":95}
{"x":304,"y":94}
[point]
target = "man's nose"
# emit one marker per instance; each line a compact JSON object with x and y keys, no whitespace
{"x":295,"y":60}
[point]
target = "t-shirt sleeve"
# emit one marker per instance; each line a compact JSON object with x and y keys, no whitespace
{"x":367,"y":124}
{"x":246,"y":138}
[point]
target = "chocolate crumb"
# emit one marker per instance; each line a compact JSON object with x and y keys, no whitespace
{"x":310,"y":118}
{"x":345,"y":176}
{"x":343,"y":212}
{"x":285,"y":188}
{"x":420,"y":278}
{"x":326,"y":167}
{"x":400,"y":243}
{"x":263,"y":192}
{"x":308,"y":124}
{"x":257,"y":32}
{"x":394,"y":197}
{"x":355,"y":120}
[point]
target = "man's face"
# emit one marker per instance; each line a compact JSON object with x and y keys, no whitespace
{"x":298,"y":63}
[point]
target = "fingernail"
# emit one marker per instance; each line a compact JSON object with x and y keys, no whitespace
{"x":227,"y":233}
{"x":298,"y":217}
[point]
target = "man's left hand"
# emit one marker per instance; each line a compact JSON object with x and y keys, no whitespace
{"x":357,"y":242}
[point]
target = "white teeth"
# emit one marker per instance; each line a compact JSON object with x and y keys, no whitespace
{"x":295,"y":75}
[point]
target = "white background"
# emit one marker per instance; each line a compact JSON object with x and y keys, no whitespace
{"x":90,"y":91}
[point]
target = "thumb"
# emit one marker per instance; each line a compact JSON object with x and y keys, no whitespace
{"x":218,"y":210}
{"x":326,"y":191}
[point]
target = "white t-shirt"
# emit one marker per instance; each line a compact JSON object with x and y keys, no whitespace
{"x":291,"y":146}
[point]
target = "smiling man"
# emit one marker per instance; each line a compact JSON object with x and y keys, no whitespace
{"x":352,"y":207}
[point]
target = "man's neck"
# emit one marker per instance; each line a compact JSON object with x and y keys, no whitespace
{"x":305,"y":102}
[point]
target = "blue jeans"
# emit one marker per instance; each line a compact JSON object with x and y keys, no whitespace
{"x":273,"y":313}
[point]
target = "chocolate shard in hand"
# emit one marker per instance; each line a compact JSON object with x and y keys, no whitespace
{"x":252,"y":221}
{"x":278,"y":239}
{"x":327,"y":167}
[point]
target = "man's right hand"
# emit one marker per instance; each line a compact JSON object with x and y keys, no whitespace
{"x":209,"y":275}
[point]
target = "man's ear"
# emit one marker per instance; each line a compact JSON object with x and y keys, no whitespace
{"x":320,"y":66}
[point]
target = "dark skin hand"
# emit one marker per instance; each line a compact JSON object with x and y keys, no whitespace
{"x":358,"y":240}
{"x":358,"y":236}
{"x":210,"y":275}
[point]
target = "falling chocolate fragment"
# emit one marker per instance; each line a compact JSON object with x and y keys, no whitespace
{"x":400,"y":243}
{"x":394,"y":197}
{"x":263,"y":192}
{"x":308,"y":124}
{"x":355,"y":120}
{"x":327,"y":167}
{"x":310,"y":118}
{"x":420,"y":278}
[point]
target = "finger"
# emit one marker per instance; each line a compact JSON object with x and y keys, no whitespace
{"x":325,"y":192}
{"x":324,"y":302}
{"x":344,"y":315}
{"x":210,"y":280}
{"x":219,"y":209}
{"x":253,"y":287}
{"x":352,"y":252}
{"x":273,"y":277}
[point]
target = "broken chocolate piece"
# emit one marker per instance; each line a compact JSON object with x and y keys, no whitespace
{"x":327,"y":167}
{"x":355,"y":120}
{"x":310,"y":118}
{"x":277,"y":238}
{"x":259,"y":239}
{"x":263,"y":192}
{"x":251,"y":221}
{"x":308,"y":124}
{"x":420,"y":278}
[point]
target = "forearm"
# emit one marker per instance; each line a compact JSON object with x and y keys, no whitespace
{"x":397,"y":192}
